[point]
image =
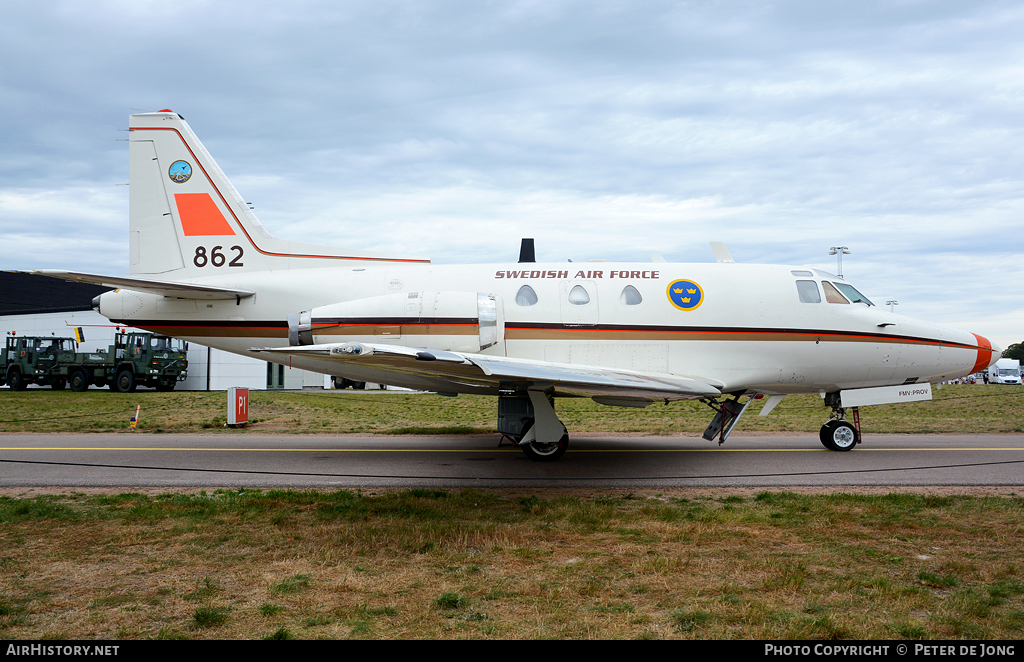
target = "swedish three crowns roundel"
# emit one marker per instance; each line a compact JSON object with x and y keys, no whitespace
{"x":685,"y":294}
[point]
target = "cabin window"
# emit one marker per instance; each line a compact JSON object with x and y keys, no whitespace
{"x":832,"y":295}
{"x":578,"y":296}
{"x":808,"y":290}
{"x":630,"y":296}
{"x":526,"y":296}
{"x":852,"y":294}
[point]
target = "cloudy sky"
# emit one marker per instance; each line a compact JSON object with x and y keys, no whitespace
{"x":451,"y":129}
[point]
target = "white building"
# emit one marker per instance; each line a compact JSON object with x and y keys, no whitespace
{"x":42,"y":306}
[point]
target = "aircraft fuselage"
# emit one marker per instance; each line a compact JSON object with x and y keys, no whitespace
{"x":741,"y":325}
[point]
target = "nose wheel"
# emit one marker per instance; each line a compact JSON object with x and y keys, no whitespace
{"x":838,"y":436}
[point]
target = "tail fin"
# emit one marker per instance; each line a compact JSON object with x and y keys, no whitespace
{"x":187,"y":220}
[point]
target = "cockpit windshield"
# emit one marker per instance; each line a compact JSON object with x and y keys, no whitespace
{"x":852,"y":294}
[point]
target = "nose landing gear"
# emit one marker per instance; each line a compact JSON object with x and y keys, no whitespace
{"x":838,"y":434}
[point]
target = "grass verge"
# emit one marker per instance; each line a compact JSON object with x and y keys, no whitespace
{"x":964,"y":408}
{"x":473,"y":564}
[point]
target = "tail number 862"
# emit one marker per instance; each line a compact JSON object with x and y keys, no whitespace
{"x":216,"y":258}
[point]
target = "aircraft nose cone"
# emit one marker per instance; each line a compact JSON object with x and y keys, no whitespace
{"x":997,"y":353}
{"x":987,"y":353}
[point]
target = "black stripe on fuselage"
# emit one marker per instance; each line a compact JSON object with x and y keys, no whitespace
{"x":275,"y":327}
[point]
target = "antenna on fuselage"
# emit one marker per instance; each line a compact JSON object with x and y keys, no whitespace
{"x":526,"y":252}
{"x":722,"y":253}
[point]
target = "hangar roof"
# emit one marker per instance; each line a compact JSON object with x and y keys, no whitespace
{"x":24,"y":294}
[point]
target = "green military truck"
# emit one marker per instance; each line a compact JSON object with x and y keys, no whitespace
{"x":135,"y":359}
{"x":37,"y":360}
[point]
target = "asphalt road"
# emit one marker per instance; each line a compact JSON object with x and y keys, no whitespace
{"x":266,"y":461}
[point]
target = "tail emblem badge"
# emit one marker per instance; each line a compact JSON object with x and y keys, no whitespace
{"x":685,"y":294}
{"x":179,"y":172}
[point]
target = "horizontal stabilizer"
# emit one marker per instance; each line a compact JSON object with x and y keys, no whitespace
{"x":162,"y":287}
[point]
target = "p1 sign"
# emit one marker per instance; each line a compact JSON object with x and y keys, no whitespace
{"x":238,"y":405}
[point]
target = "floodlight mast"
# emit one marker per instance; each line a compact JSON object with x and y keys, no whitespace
{"x":839,"y":251}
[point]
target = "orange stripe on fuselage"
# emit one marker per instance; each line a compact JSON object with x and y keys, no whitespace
{"x":984,"y":353}
{"x":199,"y":215}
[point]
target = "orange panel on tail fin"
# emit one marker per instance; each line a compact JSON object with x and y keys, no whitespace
{"x":199,"y":215}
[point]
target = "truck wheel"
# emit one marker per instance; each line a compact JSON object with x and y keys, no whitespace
{"x":15,"y":380}
{"x":78,"y":381}
{"x":126,"y":381}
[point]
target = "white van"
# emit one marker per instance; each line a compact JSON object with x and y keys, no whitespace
{"x":1004,"y":371}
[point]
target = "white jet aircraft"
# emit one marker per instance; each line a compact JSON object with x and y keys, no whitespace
{"x":203,"y":268}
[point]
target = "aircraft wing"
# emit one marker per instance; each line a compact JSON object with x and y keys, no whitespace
{"x":163,"y":287}
{"x":481,"y":372}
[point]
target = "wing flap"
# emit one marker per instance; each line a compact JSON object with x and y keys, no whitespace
{"x":482,"y":372}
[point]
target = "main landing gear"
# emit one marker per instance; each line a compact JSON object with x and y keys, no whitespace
{"x":838,"y":434}
{"x":530,"y":421}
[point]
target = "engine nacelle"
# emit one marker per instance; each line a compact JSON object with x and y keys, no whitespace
{"x":451,"y":321}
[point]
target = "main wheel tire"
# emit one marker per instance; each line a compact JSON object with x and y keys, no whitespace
{"x":549,"y":452}
{"x":78,"y":381}
{"x":841,"y":436}
{"x":15,"y":380}
{"x":126,"y":381}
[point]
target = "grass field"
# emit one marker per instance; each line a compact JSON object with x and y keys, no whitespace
{"x":472,"y":564}
{"x":961,"y":408}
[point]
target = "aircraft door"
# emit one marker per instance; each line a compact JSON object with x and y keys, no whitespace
{"x":578,"y":303}
{"x":490,"y":320}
